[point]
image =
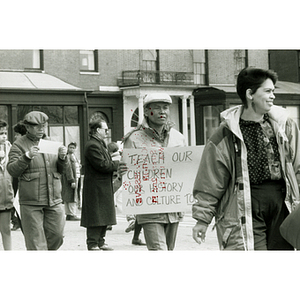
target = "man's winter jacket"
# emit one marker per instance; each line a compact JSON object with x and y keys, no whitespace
{"x":40,"y":177}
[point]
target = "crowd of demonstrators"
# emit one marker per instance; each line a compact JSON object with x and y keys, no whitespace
{"x":70,"y":178}
{"x":250,"y":169}
{"x":39,"y":174}
{"x":160,"y":229}
{"x":247,"y":179}
{"x":98,"y":209}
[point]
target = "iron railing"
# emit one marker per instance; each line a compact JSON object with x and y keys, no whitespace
{"x":155,"y":77}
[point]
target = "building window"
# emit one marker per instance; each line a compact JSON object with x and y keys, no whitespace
{"x":89,"y":60}
{"x":211,"y":120}
{"x":240,"y":60}
{"x":199,"y":67}
{"x":4,"y":113}
{"x":149,"y":60}
{"x":135,"y":118}
{"x":33,"y":60}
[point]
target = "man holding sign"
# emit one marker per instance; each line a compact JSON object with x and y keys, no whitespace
{"x":160,"y":229}
{"x":42,"y":212}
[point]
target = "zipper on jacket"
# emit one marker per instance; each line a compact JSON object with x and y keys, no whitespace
{"x":236,"y":185}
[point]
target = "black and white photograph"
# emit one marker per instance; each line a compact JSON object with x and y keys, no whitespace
{"x":148,"y":148}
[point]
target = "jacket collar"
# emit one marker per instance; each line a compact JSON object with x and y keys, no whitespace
{"x":96,"y":137}
{"x":231,"y":117}
{"x":151,"y":132}
{"x":32,"y":137}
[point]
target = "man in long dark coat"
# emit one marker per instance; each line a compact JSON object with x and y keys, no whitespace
{"x":98,"y":209}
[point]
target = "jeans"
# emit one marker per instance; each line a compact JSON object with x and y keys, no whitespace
{"x":160,"y":236}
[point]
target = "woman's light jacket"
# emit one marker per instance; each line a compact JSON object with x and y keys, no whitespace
{"x":222,"y":186}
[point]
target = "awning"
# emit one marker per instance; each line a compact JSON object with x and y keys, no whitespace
{"x":281,"y":87}
{"x":34,"y":81}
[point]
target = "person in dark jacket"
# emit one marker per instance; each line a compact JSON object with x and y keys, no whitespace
{"x":39,"y":174}
{"x":70,"y":184}
{"x":6,"y":189}
{"x":98,"y":209}
{"x":19,"y":130}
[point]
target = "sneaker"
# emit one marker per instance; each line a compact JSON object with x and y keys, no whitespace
{"x":130,"y":226}
{"x":95,"y":248}
{"x":105,"y":248}
{"x":138,"y":242}
{"x":15,"y":227}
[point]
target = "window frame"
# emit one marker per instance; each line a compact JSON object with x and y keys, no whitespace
{"x":41,"y":61}
{"x":95,"y":55}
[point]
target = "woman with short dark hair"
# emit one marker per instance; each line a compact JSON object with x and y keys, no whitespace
{"x":247,"y":178}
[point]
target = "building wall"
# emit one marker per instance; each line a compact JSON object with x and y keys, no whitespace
{"x":258,"y":58}
{"x":11,"y":60}
{"x":176,"y":60}
{"x":223,"y":66}
{"x":113,"y":62}
{"x":65,"y":64}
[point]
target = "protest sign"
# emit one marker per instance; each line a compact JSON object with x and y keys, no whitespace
{"x":159,"y":179}
{"x":50,"y":147}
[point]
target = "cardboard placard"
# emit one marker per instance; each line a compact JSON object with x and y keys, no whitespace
{"x":159,"y":179}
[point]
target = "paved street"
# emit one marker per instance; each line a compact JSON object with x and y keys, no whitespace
{"x":120,"y":241}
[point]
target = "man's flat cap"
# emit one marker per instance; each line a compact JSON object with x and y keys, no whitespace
{"x":35,"y":118}
{"x":157,"y":97}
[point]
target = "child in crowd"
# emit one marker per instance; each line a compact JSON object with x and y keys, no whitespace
{"x":6,"y":188}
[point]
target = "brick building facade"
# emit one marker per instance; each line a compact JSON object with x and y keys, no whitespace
{"x":75,"y":86}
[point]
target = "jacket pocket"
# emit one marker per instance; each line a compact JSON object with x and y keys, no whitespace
{"x":29,"y":186}
{"x":56,"y":185}
{"x":230,"y":235}
{"x":6,"y":192}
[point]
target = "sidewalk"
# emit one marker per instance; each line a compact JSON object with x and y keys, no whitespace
{"x":119,"y":240}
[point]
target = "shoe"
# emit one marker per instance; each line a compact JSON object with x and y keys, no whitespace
{"x":105,"y":248}
{"x":95,"y":248}
{"x":72,"y":218}
{"x":130,"y":226}
{"x":138,"y":242}
{"x":15,"y":227}
{"x":109,"y":227}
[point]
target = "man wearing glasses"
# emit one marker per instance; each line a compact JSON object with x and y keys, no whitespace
{"x":42,"y":212}
{"x":98,"y":208}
